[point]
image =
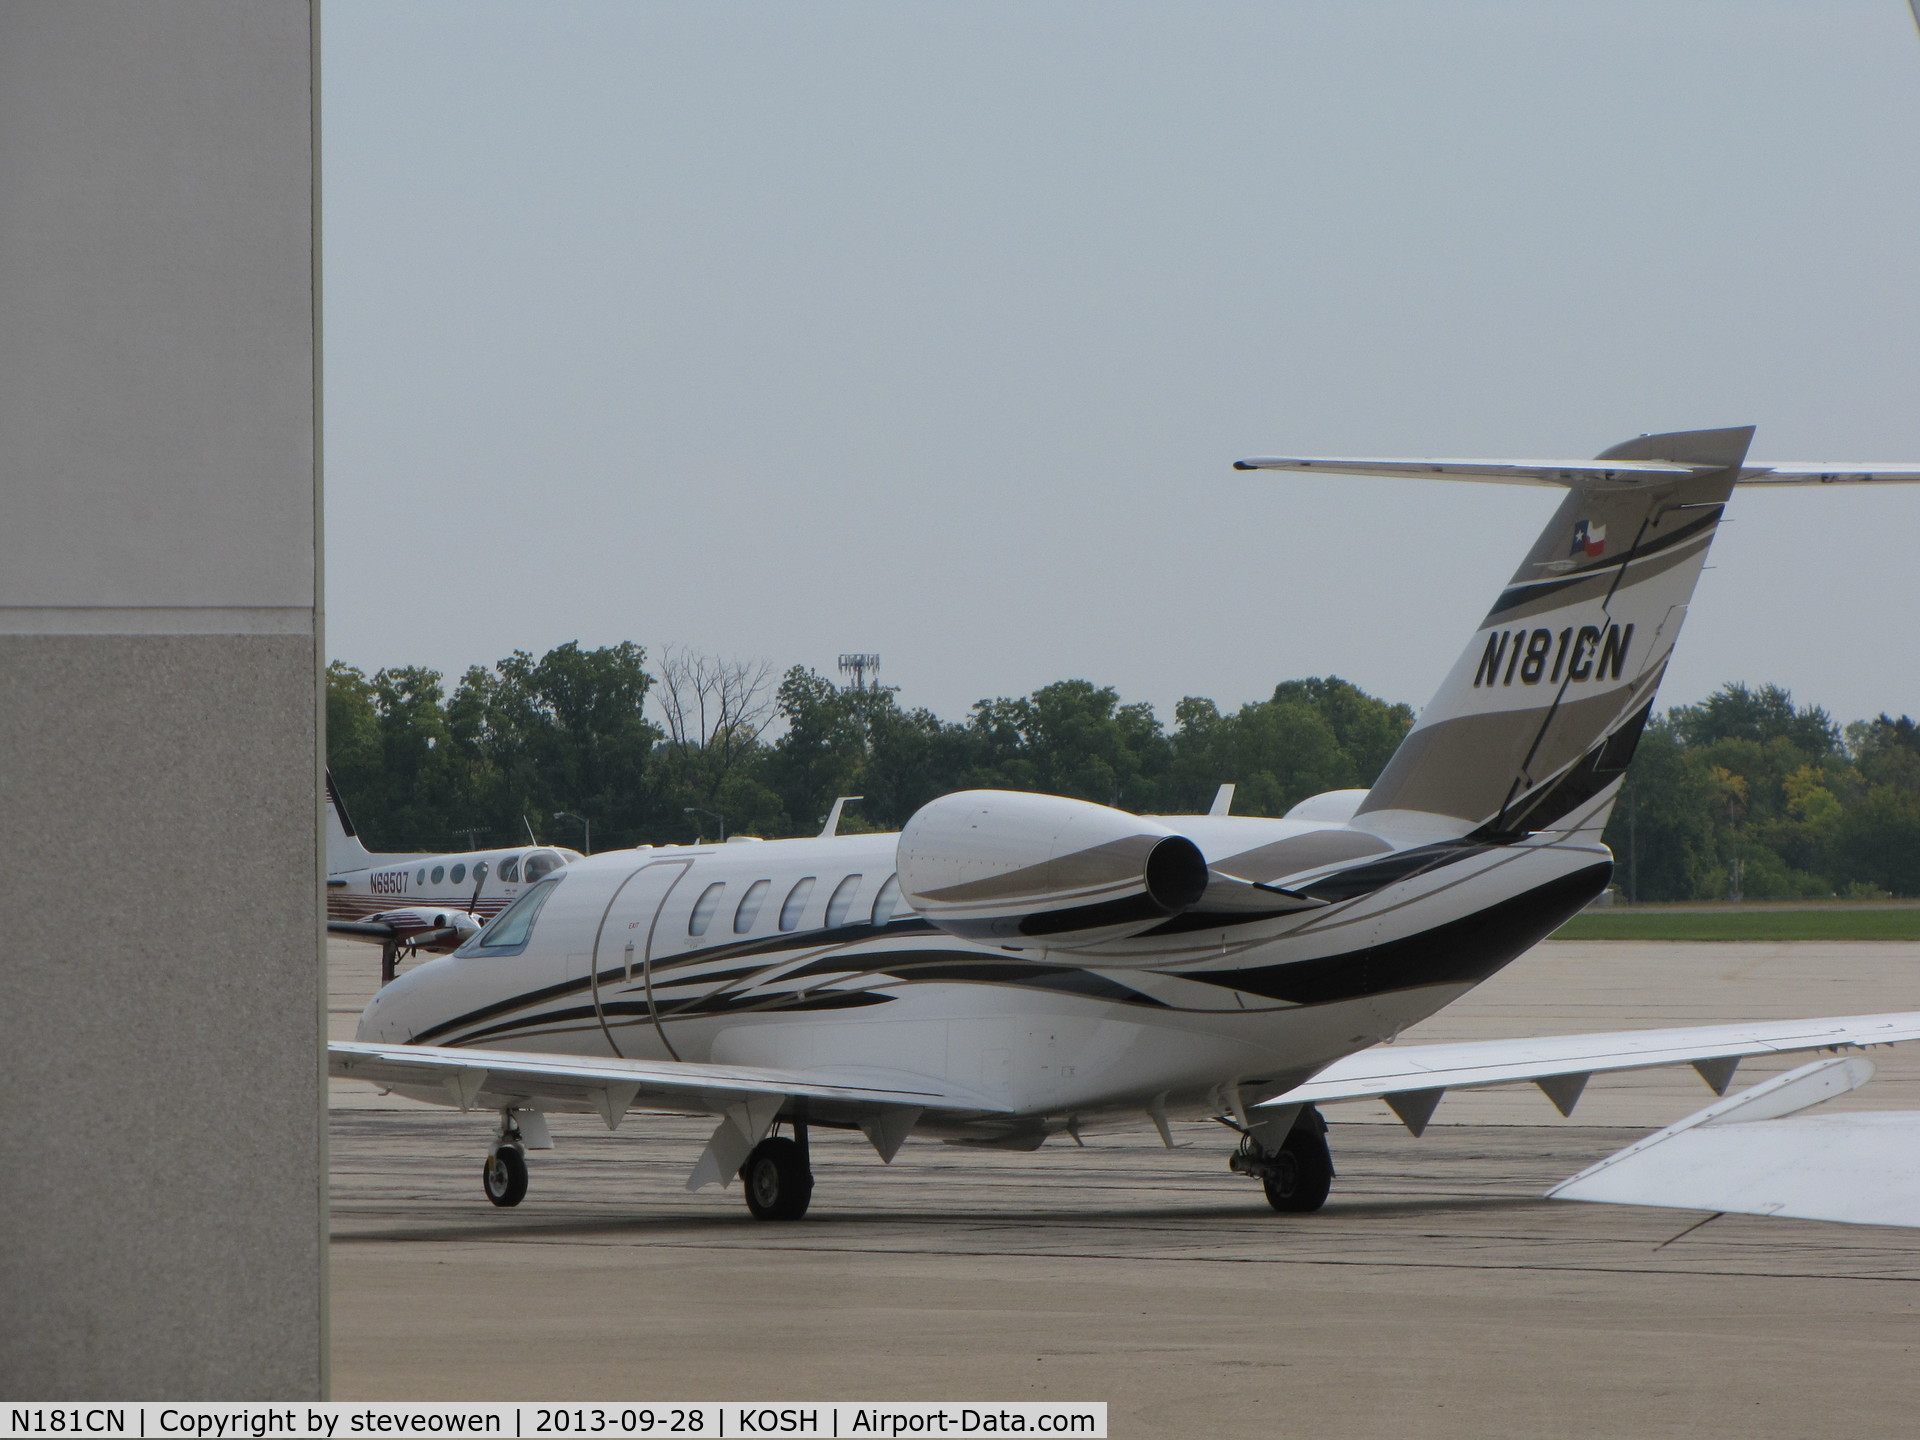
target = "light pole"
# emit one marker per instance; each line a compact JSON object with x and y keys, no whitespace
{"x":586,"y":829}
{"x":696,"y":810}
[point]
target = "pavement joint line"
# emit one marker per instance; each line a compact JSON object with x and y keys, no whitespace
{"x":1099,"y":1255}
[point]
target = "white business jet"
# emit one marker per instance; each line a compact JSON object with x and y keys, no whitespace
{"x":1012,"y":967}
{"x":445,"y":898}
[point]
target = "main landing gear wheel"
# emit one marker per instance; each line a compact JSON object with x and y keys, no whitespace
{"x":1298,"y":1177}
{"x":778,"y":1180}
{"x":505,"y":1176}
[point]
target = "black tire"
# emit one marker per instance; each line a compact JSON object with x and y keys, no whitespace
{"x":1302,"y":1173}
{"x":504,"y":1177}
{"x":778,"y":1183}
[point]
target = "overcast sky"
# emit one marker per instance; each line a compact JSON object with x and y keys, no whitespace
{"x":778,"y":330}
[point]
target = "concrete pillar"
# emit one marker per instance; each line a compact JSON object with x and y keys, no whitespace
{"x":162,"y":1164}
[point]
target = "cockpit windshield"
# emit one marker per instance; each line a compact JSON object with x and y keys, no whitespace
{"x":512,"y":926}
{"x":539,"y":863}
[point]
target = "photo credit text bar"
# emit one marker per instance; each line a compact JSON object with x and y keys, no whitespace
{"x":678,"y":1420}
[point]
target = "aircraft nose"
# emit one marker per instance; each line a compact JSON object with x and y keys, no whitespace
{"x":379,"y":1022}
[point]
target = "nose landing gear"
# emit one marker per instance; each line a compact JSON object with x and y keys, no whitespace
{"x":1298,"y":1175}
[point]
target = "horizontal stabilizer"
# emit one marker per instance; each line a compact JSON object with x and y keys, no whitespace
{"x":1830,"y":474}
{"x":1568,"y":473}
{"x":1561,"y":473}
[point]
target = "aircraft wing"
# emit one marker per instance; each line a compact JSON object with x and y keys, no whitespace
{"x":1412,"y":1078}
{"x":884,"y":1104}
{"x":1741,"y":1156}
{"x":362,"y":929}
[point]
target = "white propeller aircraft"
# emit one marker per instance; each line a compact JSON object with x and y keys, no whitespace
{"x":446,"y":897}
{"x":1012,"y":967}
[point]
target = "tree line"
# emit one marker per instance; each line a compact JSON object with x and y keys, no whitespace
{"x":1745,"y":794}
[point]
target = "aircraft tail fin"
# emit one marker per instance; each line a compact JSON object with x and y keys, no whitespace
{"x":1533,"y":728}
{"x":344,"y":850}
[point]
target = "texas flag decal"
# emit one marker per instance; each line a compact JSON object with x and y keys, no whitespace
{"x":1589,"y":539}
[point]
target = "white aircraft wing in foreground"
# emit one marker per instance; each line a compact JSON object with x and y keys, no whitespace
{"x":1412,"y":1078}
{"x":1741,"y":1156}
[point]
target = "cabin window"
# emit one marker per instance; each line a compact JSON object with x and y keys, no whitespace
{"x":887,"y":901}
{"x":439,"y":873}
{"x":704,"y":907}
{"x":458,"y":873}
{"x":512,"y":927}
{"x":542,"y":862}
{"x":841,"y":901}
{"x":479,"y":872}
{"x":510,"y":870}
{"x":749,"y":910}
{"x":796,"y":905}
{"x":421,"y":878}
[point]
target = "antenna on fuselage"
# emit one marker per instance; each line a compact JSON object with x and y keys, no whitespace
{"x":1222,"y":801}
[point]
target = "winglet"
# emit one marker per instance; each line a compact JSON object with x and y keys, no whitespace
{"x":832,"y":827}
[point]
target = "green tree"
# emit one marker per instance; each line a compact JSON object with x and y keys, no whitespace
{"x":860,"y":742}
{"x":1072,"y":738}
{"x":1663,"y":831}
{"x":1879,"y":840}
{"x":1733,"y":712}
{"x":566,"y":732}
{"x":712,"y":758}
{"x":1745,"y":781}
{"x":418,"y":799}
{"x":354,"y":752}
{"x":1367,"y":729}
{"x":1887,"y":752}
{"x":1312,"y":736}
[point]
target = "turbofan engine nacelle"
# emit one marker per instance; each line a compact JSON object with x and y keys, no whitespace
{"x":1032,"y":872}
